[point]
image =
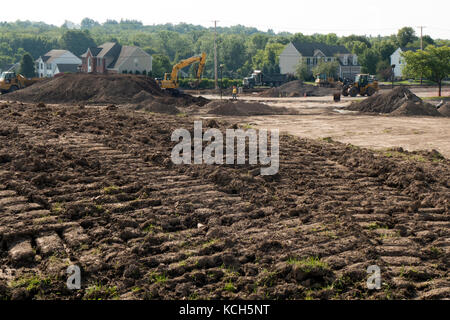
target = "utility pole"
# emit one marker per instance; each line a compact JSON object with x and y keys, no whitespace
{"x":421,"y":47}
{"x":215,"y":54}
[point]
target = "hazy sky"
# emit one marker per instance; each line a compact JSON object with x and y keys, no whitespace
{"x":322,"y":16}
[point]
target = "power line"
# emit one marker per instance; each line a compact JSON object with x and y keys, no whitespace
{"x":215,"y":54}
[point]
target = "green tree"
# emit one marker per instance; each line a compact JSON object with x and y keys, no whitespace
{"x":368,"y":60}
{"x":27,"y":66}
{"x":329,"y":68}
{"x":406,"y":35}
{"x":77,"y":41}
{"x":302,"y":72}
{"x":432,"y":63}
{"x":160,"y":65}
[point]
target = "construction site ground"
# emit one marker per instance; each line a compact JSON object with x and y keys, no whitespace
{"x":94,"y":186}
{"x":320,"y":117}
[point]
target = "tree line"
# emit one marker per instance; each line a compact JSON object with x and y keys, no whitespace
{"x":240,"y":49}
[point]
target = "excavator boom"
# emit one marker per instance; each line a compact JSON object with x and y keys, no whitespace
{"x":172,"y":83}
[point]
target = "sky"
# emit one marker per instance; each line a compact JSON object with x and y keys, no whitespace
{"x":379,"y":17}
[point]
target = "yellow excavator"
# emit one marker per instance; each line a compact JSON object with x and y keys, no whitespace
{"x":170,"y":81}
{"x":10,"y":81}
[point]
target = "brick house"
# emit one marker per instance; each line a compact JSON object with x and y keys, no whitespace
{"x":313,"y":53}
{"x":112,"y":57}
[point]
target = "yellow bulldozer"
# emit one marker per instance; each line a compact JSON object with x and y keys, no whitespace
{"x":170,"y":80}
{"x":364,"y":84}
{"x":10,"y":82}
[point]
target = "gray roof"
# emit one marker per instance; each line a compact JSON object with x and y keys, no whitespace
{"x":125,"y":52}
{"x":52,"y":54}
{"x":404,"y":49}
{"x":307,"y":49}
{"x":108,"y":49}
{"x":63,"y":67}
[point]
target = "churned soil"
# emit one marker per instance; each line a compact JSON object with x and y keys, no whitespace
{"x":103,"y":89}
{"x":399,"y":101}
{"x":96,"y":187}
{"x":297,"y":88}
{"x":242,"y":108}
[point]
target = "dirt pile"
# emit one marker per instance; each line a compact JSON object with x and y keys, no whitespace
{"x":101,"y":89}
{"x":445,"y":109}
{"x":411,"y":108}
{"x":239,"y":108}
{"x":399,"y":102}
{"x":297,"y":88}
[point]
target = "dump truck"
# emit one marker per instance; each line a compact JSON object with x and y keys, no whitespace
{"x":364,"y":84}
{"x":258,"y":78}
{"x":170,"y":80}
{"x":10,"y":81}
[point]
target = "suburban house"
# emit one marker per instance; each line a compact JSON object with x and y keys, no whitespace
{"x":399,"y":61}
{"x":112,"y":57}
{"x":312,"y":53}
{"x":56,"y":61}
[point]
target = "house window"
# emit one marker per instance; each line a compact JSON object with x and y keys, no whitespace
{"x":49,"y":66}
{"x":136,"y":62}
{"x":308,"y":61}
{"x":89,"y":68}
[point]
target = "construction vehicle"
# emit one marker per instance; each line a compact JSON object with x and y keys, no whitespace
{"x":364,"y":84}
{"x":323,"y":80}
{"x":170,"y":80}
{"x":10,"y":81}
{"x":258,"y":78}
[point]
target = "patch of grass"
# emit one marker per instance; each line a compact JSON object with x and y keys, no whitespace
{"x":100,"y":292}
{"x":155,"y":277}
{"x":328,"y":139}
{"x":151,"y":228}
{"x":31,"y":283}
{"x":209,"y":243}
{"x":57,"y":208}
{"x":309,"y":264}
{"x":229,"y":286}
{"x":247,"y":126}
{"x":182,"y":115}
{"x":111,"y":189}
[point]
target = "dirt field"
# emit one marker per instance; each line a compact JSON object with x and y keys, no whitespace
{"x":320,"y":117}
{"x":95,"y":187}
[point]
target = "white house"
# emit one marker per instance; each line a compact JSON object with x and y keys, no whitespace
{"x":312,"y":53}
{"x":399,"y":61}
{"x":56,"y":61}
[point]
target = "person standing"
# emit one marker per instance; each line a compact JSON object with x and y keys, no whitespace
{"x":234,"y":93}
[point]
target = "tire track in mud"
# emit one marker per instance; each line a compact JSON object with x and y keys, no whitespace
{"x":135,"y":223}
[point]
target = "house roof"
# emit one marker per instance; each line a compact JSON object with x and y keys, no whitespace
{"x":52,"y":54}
{"x":404,"y":49}
{"x":63,"y":67}
{"x":125,"y":52}
{"x":307,"y":49}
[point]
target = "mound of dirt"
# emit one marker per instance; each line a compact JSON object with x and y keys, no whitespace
{"x":411,"y":108}
{"x":385,"y":102}
{"x":445,"y":109}
{"x":101,"y":89}
{"x":239,"y":108}
{"x":158,"y":107}
{"x":297,"y":88}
